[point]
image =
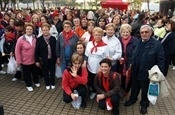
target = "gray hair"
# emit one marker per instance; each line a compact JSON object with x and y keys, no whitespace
{"x":146,"y":26}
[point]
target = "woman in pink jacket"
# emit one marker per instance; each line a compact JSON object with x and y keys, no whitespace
{"x":25,"y":56}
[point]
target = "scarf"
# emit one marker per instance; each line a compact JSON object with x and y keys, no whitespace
{"x":46,"y":38}
{"x":125,"y":43}
{"x":105,"y":84}
{"x":91,"y":37}
{"x":67,"y":36}
{"x":99,"y":44}
{"x":9,"y":37}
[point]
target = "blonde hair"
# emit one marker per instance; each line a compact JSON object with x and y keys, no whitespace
{"x":45,"y":25}
{"x":125,"y":27}
{"x":99,"y":30}
{"x":77,"y":57}
{"x":110,"y":25}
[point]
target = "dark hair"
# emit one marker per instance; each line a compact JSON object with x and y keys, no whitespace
{"x":19,"y":23}
{"x":172,"y":23}
{"x":141,"y":16}
{"x":9,"y":28}
{"x":107,"y":61}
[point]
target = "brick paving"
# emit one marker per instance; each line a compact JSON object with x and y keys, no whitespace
{"x":18,"y":101}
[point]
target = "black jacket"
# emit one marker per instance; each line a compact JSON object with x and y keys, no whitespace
{"x":153,"y":55}
{"x":41,"y":51}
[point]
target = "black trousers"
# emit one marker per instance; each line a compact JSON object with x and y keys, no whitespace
{"x":30,"y":71}
{"x":115,"y":99}
{"x":49,"y":72}
{"x":138,"y":85}
{"x":90,"y":83}
{"x":1,"y":110}
{"x":166,"y":65}
{"x":123,"y":84}
{"x":82,"y":91}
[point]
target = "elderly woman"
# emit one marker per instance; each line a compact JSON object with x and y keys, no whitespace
{"x":25,"y":56}
{"x":66,"y":45}
{"x":45,"y":52}
{"x":114,"y":45}
{"x":96,"y":50}
{"x":75,"y":78}
{"x":87,"y":36}
{"x":107,"y":84}
{"x":128,"y":44}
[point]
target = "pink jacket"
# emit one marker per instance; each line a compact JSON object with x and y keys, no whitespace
{"x":24,"y":51}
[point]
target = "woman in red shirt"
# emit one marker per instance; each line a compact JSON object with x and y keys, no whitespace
{"x":75,"y":78}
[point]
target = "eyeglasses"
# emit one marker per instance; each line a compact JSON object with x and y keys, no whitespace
{"x":146,"y":32}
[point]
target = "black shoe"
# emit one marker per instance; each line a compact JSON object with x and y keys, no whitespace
{"x":143,"y":110}
{"x":83,"y":104}
{"x":129,"y":102}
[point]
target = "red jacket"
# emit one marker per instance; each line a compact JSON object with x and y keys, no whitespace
{"x":69,"y":83}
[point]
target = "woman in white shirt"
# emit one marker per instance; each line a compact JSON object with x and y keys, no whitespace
{"x":96,"y":50}
{"x":114,"y":45}
{"x":88,"y":36}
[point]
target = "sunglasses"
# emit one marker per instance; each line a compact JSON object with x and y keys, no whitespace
{"x":146,"y":32}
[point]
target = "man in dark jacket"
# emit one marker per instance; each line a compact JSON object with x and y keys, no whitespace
{"x":148,"y":52}
{"x":137,"y":24}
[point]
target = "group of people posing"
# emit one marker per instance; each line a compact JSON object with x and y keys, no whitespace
{"x":101,"y":58}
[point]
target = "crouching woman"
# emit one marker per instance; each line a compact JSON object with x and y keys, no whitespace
{"x":107,"y":84}
{"x":75,"y":78}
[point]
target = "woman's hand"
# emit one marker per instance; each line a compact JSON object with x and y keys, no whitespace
{"x":100,"y":97}
{"x":74,"y":96}
{"x":121,"y":60}
{"x":58,"y":61}
{"x":11,"y":54}
{"x":84,"y":64}
{"x":73,"y":71}
{"x":37,"y":64}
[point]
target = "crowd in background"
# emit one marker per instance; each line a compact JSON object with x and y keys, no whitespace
{"x":88,"y":46}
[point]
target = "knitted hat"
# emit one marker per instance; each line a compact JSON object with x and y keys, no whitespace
{"x":55,"y":13}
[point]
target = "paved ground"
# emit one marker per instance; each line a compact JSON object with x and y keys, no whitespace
{"x":18,"y":101}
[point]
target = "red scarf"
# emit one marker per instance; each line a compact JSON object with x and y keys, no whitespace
{"x":10,"y":37}
{"x":99,"y":44}
{"x":91,"y":37}
{"x":105,"y":83}
{"x":125,"y":43}
{"x":67,"y":36}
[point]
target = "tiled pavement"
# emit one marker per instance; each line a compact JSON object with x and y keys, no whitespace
{"x":18,"y":101}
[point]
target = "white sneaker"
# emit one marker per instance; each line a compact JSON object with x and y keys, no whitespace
{"x":47,"y":87}
{"x":29,"y":88}
{"x":173,"y":68}
{"x":52,"y":86}
{"x":14,"y":79}
{"x":2,"y":72}
{"x":92,"y":95}
{"x":37,"y":84}
{"x":2,"y":65}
